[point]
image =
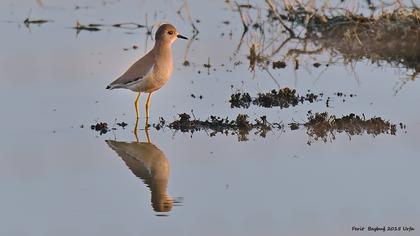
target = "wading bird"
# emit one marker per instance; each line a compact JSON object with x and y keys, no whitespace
{"x":153,"y":70}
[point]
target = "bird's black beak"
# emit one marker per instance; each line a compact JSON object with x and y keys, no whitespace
{"x":181,"y":36}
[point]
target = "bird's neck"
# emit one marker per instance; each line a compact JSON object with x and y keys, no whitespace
{"x":163,"y":60}
{"x":162,"y":47}
{"x":163,"y":53}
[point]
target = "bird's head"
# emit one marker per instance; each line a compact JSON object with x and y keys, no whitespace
{"x":167,"y":34}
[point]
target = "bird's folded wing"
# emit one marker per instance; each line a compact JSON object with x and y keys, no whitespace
{"x":139,"y":70}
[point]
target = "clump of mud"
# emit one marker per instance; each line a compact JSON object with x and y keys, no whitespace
{"x":282,"y":98}
{"x":240,"y":126}
{"x":323,"y":127}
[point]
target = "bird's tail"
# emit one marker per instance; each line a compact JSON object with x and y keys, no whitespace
{"x":114,"y":86}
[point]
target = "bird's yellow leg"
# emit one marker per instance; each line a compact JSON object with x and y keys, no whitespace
{"x":147,"y":135}
{"x":136,"y":105}
{"x":147,"y":109}
{"x":135,"y":130}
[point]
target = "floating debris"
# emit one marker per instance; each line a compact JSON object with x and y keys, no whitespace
{"x":317,"y":64}
{"x":29,"y":22}
{"x":77,"y":7}
{"x":160,"y":125}
{"x":122,"y":124}
{"x":91,"y":27}
{"x":279,"y":64}
{"x":101,"y":127}
{"x":134,"y":47}
{"x":207,"y":65}
{"x":129,"y":26}
{"x":194,"y":96}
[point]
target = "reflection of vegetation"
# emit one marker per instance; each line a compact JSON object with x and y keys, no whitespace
{"x":241,"y":126}
{"x":97,"y":27}
{"x":29,"y":22}
{"x":321,"y":126}
{"x":390,"y":35}
{"x":185,"y":8}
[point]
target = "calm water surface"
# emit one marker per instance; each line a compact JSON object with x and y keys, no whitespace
{"x":57,"y":178}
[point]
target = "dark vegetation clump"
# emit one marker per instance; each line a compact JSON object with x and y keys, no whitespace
{"x":240,"y":100}
{"x":101,"y":127}
{"x":279,"y":64}
{"x":282,"y":98}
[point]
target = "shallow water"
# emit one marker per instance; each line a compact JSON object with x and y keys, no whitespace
{"x":58,"y":178}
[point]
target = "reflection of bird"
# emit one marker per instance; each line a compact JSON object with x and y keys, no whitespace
{"x":153,"y":70}
{"x":149,"y":163}
{"x":40,"y":3}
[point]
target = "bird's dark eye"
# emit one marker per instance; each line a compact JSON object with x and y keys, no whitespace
{"x":170,"y":32}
